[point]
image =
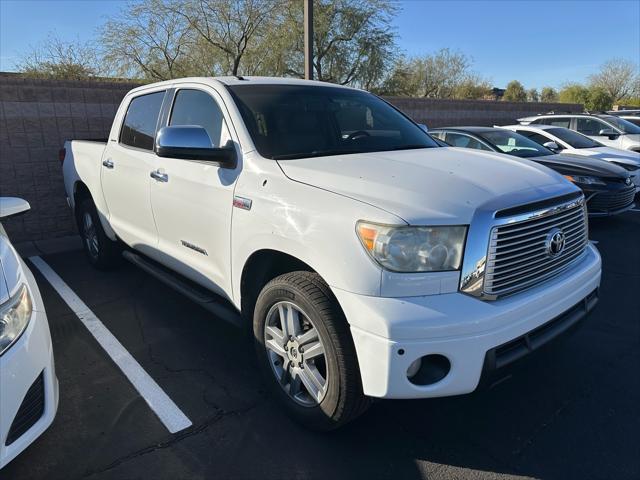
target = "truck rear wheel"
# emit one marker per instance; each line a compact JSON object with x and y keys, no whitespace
{"x":306,"y":353}
{"x":102,"y":252}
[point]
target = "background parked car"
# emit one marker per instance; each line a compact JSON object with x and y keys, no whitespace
{"x":559,"y":139}
{"x":607,"y":129}
{"x":28,"y":383}
{"x":607,"y":187}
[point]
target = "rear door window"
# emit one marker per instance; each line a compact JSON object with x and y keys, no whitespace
{"x":464,"y":141}
{"x":141,"y":120}
{"x":558,"y":121}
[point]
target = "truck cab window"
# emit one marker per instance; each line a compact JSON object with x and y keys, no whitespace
{"x":139,"y":127}
{"x":195,"y":107}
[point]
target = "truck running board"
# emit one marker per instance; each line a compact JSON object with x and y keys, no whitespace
{"x":211,"y":302}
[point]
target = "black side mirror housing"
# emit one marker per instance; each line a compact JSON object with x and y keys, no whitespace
{"x":191,"y":142}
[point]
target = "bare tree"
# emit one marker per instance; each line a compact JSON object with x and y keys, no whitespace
{"x":618,"y":77}
{"x":149,"y":40}
{"x":227,"y":28}
{"x":55,"y":58}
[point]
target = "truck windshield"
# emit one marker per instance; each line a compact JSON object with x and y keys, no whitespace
{"x":298,"y":121}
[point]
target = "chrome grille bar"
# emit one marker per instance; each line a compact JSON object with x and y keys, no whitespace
{"x":518,"y":256}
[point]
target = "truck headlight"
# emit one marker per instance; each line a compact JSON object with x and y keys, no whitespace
{"x":14,"y":317}
{"x":584,"y":180}
{"x":413,"y":249}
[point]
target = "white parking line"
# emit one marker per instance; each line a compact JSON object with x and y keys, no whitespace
{"x":167,"y":411}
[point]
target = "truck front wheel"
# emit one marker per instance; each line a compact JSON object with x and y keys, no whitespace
{"x":305,"y":350}
{"x":102,"y":252}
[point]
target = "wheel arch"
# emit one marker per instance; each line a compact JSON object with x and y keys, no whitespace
{"x":261,"y":267}
{"x":82,"y":192}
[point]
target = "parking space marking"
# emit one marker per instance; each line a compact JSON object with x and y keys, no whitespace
{"x":167,"y":411}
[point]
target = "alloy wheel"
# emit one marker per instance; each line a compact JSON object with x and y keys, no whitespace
{"x":296,"y":354}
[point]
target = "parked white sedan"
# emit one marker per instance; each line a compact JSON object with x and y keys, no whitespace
{"x":564,"y":140}
{"x":28,"y":383}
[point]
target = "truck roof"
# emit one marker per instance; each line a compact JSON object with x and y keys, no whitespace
{"x":240,"y":80}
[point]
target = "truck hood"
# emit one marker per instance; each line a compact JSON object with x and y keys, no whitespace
{"x":431,"y":185}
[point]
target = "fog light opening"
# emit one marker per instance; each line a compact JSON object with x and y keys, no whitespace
{"x":413,"y":368}
{"x":429,"y":369}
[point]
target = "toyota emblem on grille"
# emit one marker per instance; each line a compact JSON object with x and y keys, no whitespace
{"x":555,"y":242}
{"x":628,"y":181}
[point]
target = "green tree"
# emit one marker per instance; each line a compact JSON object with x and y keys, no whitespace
{"x":574,"y":93}
{"x":548,"y":95}
{"x":443,"y":74}
{"x":532,"y":95}
{"x":354,"y":41}
{"x":515,"y":92}
{"x":598,"y":99}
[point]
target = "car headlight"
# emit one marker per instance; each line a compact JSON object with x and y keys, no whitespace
{"x":584,"y":180}
{"x":414,"y":249}
{"x":14,"y":317}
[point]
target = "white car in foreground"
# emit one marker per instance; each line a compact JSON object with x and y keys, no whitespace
{"x":368,"y":260}
{"x":566,"y":141}
{"x":28,"y":383}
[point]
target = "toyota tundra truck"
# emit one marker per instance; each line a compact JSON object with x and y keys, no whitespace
{"x":367,"y":260}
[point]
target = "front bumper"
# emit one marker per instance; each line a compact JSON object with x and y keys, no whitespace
{"x":391,"y":333}
{"x":609,"y":202}
{"x":20,"y":368}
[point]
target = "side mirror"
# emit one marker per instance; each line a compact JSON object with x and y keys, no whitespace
{"x":608,"y":132}
{"x":424,"y":127}
{"x":190,"y":142}
{"x":552,"y":146}
{"x":10,"y":206}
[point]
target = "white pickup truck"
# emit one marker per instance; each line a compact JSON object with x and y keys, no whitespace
{"x":369,"y":261}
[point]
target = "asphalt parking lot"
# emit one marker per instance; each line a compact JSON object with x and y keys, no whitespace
{"x":571,"y":411}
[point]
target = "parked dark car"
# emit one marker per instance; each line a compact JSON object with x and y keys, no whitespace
{"x":607,"y":187}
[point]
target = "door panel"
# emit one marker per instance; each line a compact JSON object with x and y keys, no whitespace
{"x":193,"y":207}
{"x":125,"y":173}
{"x":126,"y":188}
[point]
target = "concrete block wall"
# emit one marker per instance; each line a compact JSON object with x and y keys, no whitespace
{"x":37,"y":116}
{"x":449,"y":113}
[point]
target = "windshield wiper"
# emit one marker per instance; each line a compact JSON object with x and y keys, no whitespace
{"x":406,"y":147}
{"x":315,"y":153}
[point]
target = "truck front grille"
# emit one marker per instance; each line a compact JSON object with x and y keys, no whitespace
{"x":521,"y":253}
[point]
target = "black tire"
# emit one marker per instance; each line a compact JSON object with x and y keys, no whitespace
{"x":102,"y":252}
{"x":343,"y":399}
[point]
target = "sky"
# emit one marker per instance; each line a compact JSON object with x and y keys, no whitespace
{"x":540,"y":43}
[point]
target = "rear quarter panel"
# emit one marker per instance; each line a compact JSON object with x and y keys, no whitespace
{"x":82,"y":164}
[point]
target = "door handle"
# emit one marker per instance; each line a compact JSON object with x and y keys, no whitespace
{"x":107,"y":163}
{"x":158,"y":176}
